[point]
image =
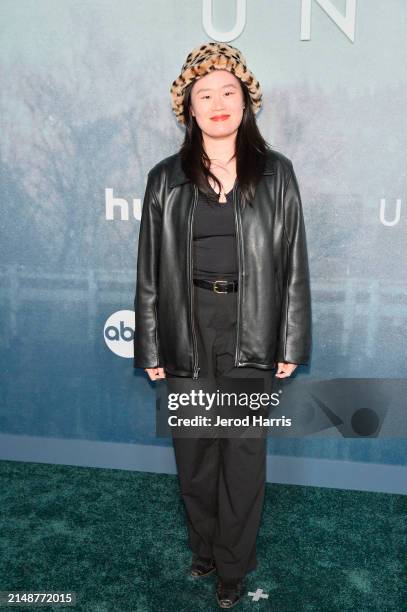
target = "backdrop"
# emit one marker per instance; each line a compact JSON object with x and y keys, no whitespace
{"x":85,"y":113}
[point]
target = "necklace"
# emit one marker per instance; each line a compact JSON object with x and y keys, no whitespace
{"x":216,"y":197}
{"x":221,"y":193}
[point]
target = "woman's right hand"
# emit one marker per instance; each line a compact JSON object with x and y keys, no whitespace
{"x":155,"y":373}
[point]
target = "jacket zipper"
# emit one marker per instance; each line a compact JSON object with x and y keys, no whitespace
{"x":191,"y":287}
{"x":240,"y":276}
{"x":239,"y":284}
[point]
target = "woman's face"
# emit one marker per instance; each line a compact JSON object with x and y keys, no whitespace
{"x":217,"y":103}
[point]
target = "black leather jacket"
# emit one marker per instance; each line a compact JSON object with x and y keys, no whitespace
{"x":274,"y":303}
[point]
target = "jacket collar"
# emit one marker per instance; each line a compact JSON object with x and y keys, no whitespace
{"x":176,"y":175}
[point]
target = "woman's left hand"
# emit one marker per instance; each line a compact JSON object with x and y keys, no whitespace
{"x":285,"y":369}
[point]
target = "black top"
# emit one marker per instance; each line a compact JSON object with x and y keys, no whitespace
{"x":214,"y":234}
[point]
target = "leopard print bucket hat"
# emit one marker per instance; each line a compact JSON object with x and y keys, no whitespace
{"x":213,"y":56}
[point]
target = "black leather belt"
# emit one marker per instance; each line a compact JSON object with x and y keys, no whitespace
{"x":218,"y":286}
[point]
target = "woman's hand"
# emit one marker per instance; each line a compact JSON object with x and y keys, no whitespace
{"x":155,"y":373}
{"x":285,"y":369}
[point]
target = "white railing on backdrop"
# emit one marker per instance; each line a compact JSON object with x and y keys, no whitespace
{"x":348,"y":299}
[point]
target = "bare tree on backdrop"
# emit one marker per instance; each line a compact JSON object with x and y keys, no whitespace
{"x":69,"y":132}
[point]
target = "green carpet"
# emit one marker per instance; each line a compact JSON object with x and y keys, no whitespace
{"x":118,"y":539}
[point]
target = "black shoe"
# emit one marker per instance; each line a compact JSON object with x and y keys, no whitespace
{"x":230,"y":592}
{"x":201,"y":566}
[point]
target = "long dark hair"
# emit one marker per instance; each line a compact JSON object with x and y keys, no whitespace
{"x":251,"y":150}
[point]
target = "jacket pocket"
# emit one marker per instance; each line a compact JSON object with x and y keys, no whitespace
{"x":278,"y":287}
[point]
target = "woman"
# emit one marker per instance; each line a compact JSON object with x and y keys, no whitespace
{"x":222,"y":291}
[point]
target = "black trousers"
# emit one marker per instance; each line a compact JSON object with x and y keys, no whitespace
{"x":222,"y":480}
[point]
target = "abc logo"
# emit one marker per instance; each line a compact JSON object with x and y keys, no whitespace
{"x":119,"y":333}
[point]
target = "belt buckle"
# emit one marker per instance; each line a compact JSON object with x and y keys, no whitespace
{"x":215,"y":287}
